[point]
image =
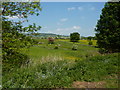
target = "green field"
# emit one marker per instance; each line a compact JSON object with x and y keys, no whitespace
{"x":60,"y":68}
{"x":64,"y":52}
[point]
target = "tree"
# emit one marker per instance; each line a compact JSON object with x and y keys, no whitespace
{"x":89,"y":37}
{"x":74,"y":37}
{"x":13,"y":39}
{"x":108,"y":28}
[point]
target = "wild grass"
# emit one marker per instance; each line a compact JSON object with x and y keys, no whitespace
{"x":59,"y":68}
{"x":61,"y":74}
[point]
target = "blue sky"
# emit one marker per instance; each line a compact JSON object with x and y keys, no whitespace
{"x":67,"y":17}
{"x":72,"y":0}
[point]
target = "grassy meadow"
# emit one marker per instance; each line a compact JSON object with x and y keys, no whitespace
{"x":44,"y":52}
{"x":58,"y":66}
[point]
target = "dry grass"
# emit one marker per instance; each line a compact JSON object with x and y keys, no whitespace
{"x":79,"y":84}
{"x":45,"y":59}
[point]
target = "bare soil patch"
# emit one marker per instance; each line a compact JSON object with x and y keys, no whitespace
{"x":78,"y":84}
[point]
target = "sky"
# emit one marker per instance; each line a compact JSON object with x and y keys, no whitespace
{"x":73,"y":0}
{"x":67,"y":17}
{"x":56,"y":0}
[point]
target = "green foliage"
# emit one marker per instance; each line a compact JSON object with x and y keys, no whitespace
{"x":74,"y":47}
{"x":108,"y":28}
{"x":13,"y":41}
{"x":51,"y":42}
{"x":74,"y":37}
{"x":103,"y":50}
{"x":22,"y":10}
{"x":90,"y":38}
{"x":61,"y":74}
{"x":56,"y":47}
{"x":90,"y":43}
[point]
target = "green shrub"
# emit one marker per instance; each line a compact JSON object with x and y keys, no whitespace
{"x":103,"y":51}
{"x":56,"y":47}
{"x":90,"y":43}
{"x":14,"y":61}
{"x":74,"y":47}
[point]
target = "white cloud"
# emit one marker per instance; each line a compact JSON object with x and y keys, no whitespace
{"x":80,"y":8}
{"x":63,"y":31}
{"x":63,"y":19}
{"x":72,"y":8}
{"x":76,"y":27}
{"x":66,"y":31}
{"x":92,"y":8}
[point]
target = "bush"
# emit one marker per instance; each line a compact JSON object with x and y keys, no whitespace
{"x":56,"y":47}
{"x":74,"y":47}
{"x":90,"y":43}
{"x":14,"y":61}
{"x":103,"y":51}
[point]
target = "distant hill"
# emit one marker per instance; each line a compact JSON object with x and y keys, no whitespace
{"x":46,"y":35}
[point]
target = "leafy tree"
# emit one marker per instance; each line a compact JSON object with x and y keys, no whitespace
{"x":89,"y":37}
{"x":74,"y":37}
{"x":108,"y":28}
{"x":14,"y":42}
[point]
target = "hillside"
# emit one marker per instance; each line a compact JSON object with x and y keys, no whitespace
{"x":46,"y":35}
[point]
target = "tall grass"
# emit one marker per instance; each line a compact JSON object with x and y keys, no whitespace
{"x":62,"y":73}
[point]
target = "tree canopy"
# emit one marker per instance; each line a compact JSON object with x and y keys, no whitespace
{"x":108,"y":28}
{"x":14,"y":41}
{"x":74,"y":37}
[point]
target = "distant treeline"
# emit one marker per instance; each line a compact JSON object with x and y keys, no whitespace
{"x":88,"y":38}
{"x":46,"y":35}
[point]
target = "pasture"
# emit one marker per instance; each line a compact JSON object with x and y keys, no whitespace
{"x":64,"y":51}
{"x":62,"y":67}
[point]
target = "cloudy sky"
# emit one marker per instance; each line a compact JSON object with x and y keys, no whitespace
{"x":67,"y":17}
